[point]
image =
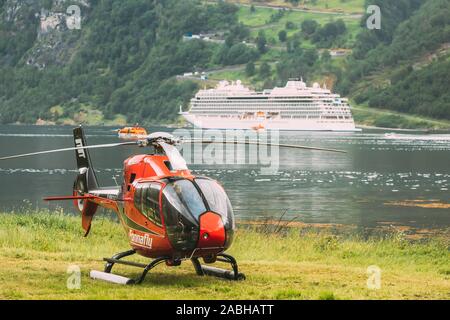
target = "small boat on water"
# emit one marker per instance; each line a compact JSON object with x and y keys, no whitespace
{"x":131,"y":133}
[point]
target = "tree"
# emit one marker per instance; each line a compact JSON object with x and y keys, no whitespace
{"x":261,"y":42}
{"x":282,"y":35}
{"x":250,"y":69}
{"x":240,"y":53}
{"x":325,"y":57}
{"x":328,"y":34}
{"x":341,"y":28}
{"x":309,"y":27}
{"x":229,"y":40}
{"x":310,"y":56}
{"x":264,"y":70}
{"x":294,"y":2}
{"x":290,"y":25}
{"x":292,"y":45}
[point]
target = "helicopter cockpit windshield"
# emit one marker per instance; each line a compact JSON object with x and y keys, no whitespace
{"x":216,"y":198}
{"x":183,"y":202}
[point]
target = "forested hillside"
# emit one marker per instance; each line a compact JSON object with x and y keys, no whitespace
{"x":121,"y":61}
{"x":405,"y":66}
{"x":122,"y":64}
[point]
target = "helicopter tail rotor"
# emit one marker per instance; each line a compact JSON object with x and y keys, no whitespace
{"x":85,"y":181}
{"x":84,"y":163}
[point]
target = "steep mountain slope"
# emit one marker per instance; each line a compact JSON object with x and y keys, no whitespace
{"x":121,"y":61}
{"x":121,"y":66}
{"x":406,"y":67}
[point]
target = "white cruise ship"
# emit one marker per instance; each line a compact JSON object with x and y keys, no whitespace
{"x":293,"y":107}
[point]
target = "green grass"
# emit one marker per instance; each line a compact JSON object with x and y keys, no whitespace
{"x":37,"y":249}
{"x":350,"y":6}
{"x":347,"y":6}
{"x":255,"y":81}
{"x":230,"y":76}
{"x":260,"y":20}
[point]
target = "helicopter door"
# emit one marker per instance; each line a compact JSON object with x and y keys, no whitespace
{"x":150,"y":203}
{"x":146,"y":200}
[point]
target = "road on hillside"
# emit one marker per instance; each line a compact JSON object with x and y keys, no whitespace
{"x":268,"y":6}
{"x":236,"y":67}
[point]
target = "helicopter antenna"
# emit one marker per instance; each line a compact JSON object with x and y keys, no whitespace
{"x":115,"y":179}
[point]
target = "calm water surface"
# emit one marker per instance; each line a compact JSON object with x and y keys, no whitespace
{"x":353,"y":188}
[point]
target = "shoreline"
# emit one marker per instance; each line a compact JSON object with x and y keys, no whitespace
{"x":180,"y":126}
{"x":380,"y":229}
{"x":419,"y":130}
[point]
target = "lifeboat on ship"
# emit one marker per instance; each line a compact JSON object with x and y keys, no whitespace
{"x":261,"y":117}
{"x":132,"y":133}
{"x":259,"y":127}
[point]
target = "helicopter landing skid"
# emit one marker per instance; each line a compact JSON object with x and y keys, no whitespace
{"x":110,"y":262}
{"x":203,"y":270}
{"x":200,"y":269}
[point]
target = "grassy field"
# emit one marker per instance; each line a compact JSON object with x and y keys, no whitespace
{"x":260,"y":20}
{"x":348,"y":6}
{"x":37,"y":249}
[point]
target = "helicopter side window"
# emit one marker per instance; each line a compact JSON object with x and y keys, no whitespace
{"x":168,"y":165}
{"x":146,"y":200}
{"x":132,"y":177}
{"x":138,"y":197}
{"x":150,"y":205}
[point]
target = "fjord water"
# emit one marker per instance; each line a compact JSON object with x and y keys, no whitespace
{"x":361,"y":187}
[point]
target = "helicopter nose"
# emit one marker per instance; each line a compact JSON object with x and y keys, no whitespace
{"x":212,"y":231}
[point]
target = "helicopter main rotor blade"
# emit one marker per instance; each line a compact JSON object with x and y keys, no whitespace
{"x":264,"y":144}
{"x":98,"y":146}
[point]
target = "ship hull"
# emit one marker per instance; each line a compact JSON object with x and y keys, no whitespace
{"x":208,"y":122}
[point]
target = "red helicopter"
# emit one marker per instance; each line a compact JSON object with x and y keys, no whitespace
{"x":168,"y":214}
